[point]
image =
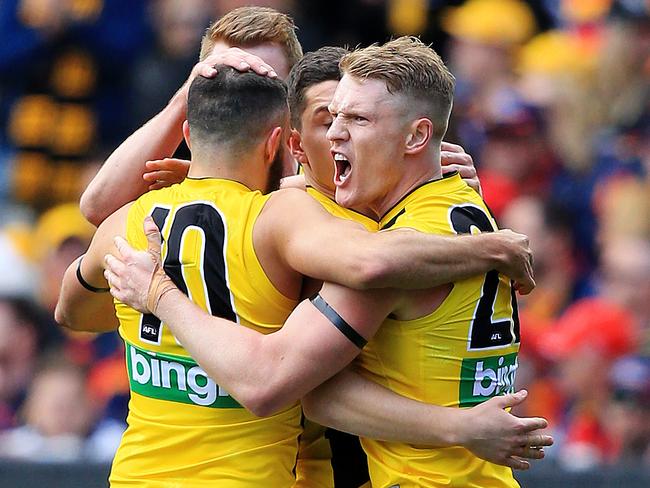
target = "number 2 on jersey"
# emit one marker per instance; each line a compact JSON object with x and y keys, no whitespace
{"x":486,"y":332}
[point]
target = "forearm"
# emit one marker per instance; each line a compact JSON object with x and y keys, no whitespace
{"x":408,"y":259}
{"x":79,"y":309}
{"x":351,"y":403}
{"x":263,"y":372}
{"x":119,"y":180}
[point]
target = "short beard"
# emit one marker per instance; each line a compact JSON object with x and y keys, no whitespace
{"x":275,"y":171}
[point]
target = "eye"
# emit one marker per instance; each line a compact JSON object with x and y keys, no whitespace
{"x":359,"y":118}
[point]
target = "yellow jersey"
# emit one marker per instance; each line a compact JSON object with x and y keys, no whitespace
{"x":183,"y":428}
{"x":461,"y":354}
{"x":344,"y":213}
{"x":314,"y":467}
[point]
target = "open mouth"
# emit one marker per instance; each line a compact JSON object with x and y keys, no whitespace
{"x":343,"y":168}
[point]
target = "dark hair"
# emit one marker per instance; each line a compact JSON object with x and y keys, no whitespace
{"x":234,"y":109}
{"x":315,"y":67}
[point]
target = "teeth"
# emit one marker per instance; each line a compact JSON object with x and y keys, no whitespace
{"x":339,"y":157}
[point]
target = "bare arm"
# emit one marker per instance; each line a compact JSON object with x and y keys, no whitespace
{"x":120,"y":179}
{"x":81,"y":309}
{"x":266,"y":372}
{"x":354,"y":404}
{"x":340,"y":251}
{"x":263,"y":372}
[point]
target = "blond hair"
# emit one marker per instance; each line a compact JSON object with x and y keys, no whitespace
{"x":411,"y":68}
{"x":250,"y":26}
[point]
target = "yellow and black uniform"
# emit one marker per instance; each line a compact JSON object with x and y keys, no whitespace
{"x":183,"y":428}
{"x":461,"y":354}
{"x":344,"y":213}
{"x":326,"y":456}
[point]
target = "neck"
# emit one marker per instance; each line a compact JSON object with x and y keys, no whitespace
{"x":418,"y":171}
{"x":310,"y":180}
{"x":246,"y":169}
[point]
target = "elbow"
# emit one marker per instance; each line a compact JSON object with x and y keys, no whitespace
{"x":90,"y":210}
{"x":372,"y":272}
{"x":262,"y":401}
{"x":310,"y":408}
{"x":61,"y":317}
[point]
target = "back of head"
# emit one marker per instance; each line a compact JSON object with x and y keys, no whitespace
{"x":411,"y":69}
{"x":250,"y":26}
{"x":314,"y":68}
{"x":234,"y":111}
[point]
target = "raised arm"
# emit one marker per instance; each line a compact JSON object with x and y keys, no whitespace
{"x":84,"y":302}
{"x":353,"y":404}
{"x":120,"y":179}
{"x":316,"y":244}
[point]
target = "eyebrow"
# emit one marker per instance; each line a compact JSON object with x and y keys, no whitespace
{"x":321,"y":108}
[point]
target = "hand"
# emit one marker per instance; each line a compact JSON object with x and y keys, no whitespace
{"x":136,"y":277}
{"x":454,"y":158}
{"x":499,"y":437}
{"x":162,"y":173}
{"x":296,"y":181}
{"x":517,"y":262}
{"x":233,"y":57}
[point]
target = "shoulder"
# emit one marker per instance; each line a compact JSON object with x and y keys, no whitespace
{"x":294,"y":203}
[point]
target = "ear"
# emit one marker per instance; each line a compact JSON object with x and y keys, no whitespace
{"x":295,"y":146}
{"x":272,"y":144}
{"x":186,"y":134}
{"x":418,"y":136}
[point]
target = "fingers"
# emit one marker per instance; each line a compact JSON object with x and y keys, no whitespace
{"x":159,"y":175}
{"x":169,"y":164}
{"x":123,"y":247}
{"x":114,"y":265}
{"x":534,"y":423}
{"x":450,"y":147}
{"x":205,"y":69}
{"x":539,"y":440}
{"x":162,"y":177}
{"x":516,"y":463}
{"x":461,"y":159}
{"x":238,"y":59}
{"x":464,"y":171}
{"x":153,"y":238}
{"x":511,"y":399}
{"x":528,"y":452}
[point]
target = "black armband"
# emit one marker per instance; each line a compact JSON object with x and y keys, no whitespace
{"x":337,"y":321}
{"x":85,"y":284}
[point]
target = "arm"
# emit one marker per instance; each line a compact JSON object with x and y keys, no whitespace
{"x":341,"y":251}
{"x":120,"y":179}
{"x":354,"y":404}
{"x":263,"y":372}
{"x":79,"y":308}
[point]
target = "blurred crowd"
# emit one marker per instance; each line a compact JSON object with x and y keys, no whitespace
{"x":552,"y":101}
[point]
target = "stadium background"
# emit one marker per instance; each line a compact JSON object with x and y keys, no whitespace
{"x":552,"y":101}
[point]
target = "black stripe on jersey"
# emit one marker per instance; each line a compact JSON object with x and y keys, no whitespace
{"x":444,"y":177}
{"x":149,"y":323}
{"x":337,"y":321}
{"x":349,"y":461}
{"x":392,"y":221}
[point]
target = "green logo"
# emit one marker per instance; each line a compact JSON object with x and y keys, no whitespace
{"x":484,"y":378}
{"x":175,"y":379}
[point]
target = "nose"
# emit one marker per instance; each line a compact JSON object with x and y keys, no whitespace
{"x":337,"y":131}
